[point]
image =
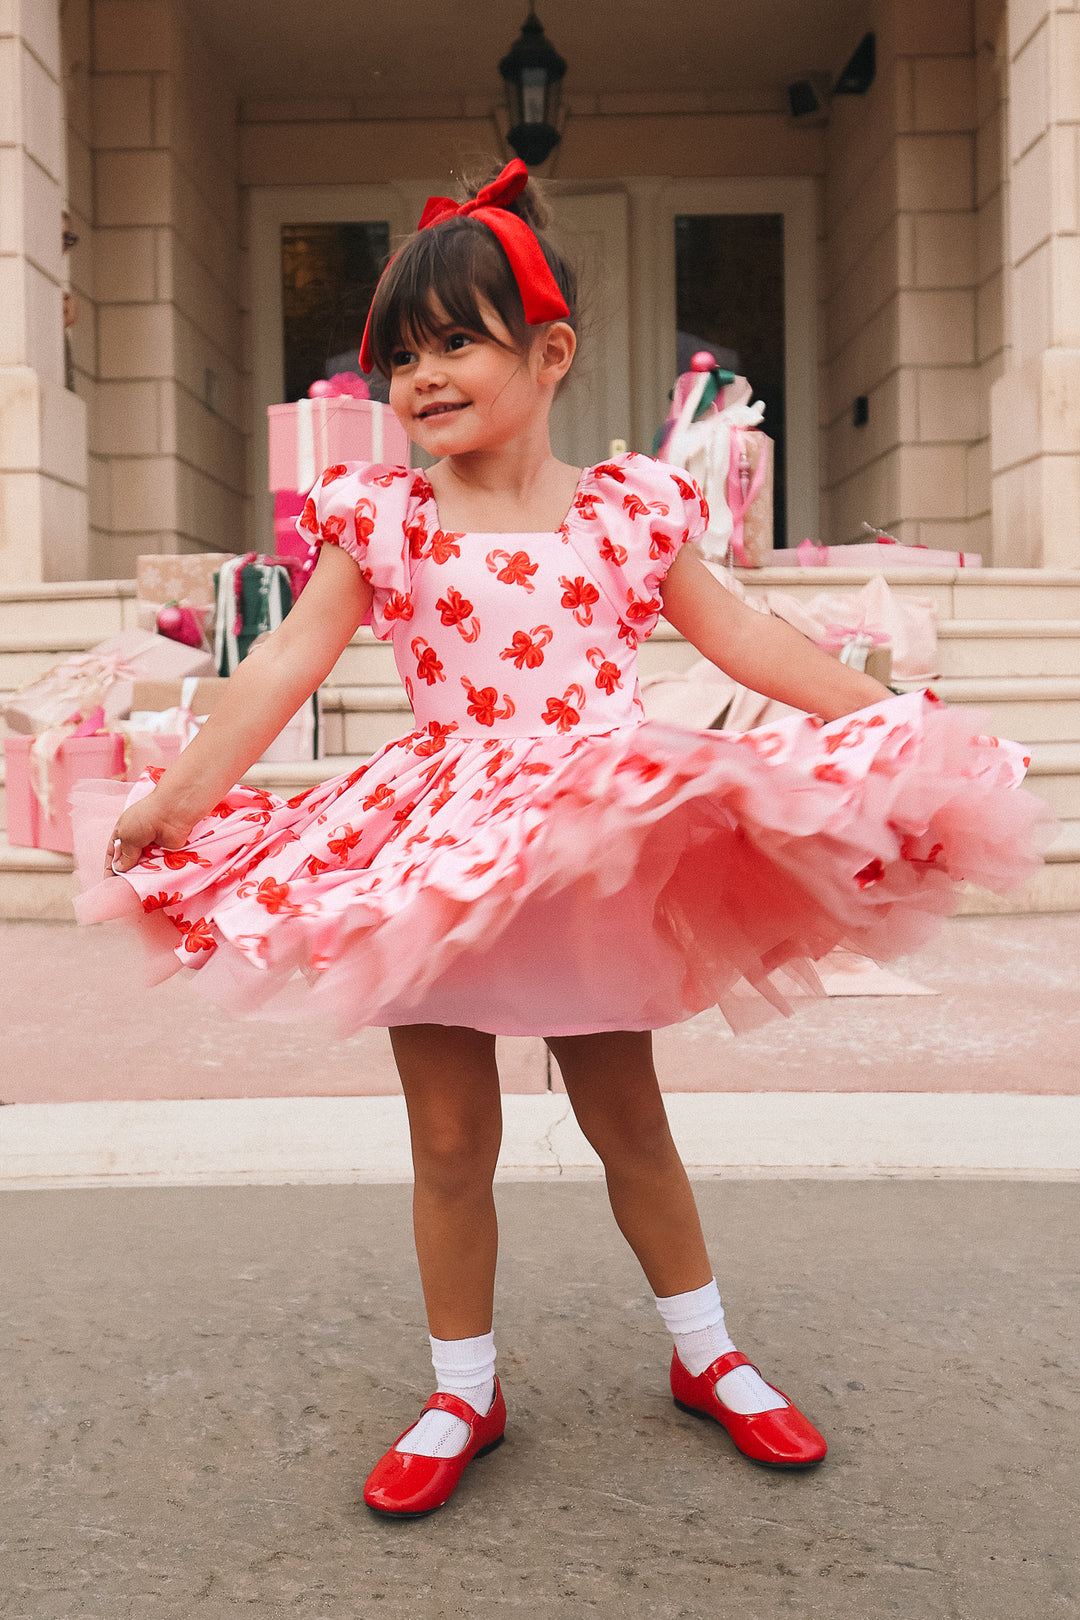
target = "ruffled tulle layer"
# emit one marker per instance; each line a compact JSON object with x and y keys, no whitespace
{"x":544,"y":885}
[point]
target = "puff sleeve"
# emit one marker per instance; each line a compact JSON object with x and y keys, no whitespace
{"x":638,"y":514}
{"x":364,"y":508}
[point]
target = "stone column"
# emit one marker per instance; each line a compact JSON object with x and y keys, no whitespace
{"x":899,"y":307}
{"x":43,"y":504}
{"x":1035,"y":404}
{"x":172,"y":403}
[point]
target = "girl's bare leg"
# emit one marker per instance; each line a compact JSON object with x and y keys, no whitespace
{"x":451,"y":1089}
{"x":615,"y":1095}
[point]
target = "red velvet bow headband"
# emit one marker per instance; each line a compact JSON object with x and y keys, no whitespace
{"x":540,"y":297}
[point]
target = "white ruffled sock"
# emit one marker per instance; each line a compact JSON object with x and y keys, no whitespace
{"x":463,"y":1367}
{"x":695,"y":1321}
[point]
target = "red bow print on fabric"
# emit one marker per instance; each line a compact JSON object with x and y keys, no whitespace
{"x":540,"y":296}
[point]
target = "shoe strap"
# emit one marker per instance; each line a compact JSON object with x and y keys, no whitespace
{"x":443,"y":1401}
{"x":724,"y":1364}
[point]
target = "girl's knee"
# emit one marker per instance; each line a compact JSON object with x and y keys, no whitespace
{"x":453,"y":1158}
{"x":637,"y":1138}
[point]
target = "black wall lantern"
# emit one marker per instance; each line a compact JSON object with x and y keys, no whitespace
{"x":533,"y":70}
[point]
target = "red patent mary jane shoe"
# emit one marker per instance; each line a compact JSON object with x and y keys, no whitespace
{"x":780,"y":1439}
{"x":406,"y":1486}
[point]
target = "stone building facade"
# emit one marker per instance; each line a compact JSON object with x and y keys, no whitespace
{"x":933,"y":248}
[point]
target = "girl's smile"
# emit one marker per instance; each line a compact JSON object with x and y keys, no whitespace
{"x":455,"y":391}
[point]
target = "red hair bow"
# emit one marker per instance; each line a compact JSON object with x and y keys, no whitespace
{"x":540,"y":296}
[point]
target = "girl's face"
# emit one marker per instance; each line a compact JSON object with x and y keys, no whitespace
{"x":462,"y":392}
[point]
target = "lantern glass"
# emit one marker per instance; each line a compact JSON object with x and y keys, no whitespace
{"x":534,"y":95}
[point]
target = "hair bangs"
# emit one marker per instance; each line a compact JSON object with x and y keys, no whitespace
{"x":435,"y":285}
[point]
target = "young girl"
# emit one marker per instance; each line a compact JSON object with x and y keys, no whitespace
{"x":534,"y":858}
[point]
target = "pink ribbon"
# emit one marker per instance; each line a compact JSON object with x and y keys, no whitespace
{"x":44,"y":749}
{"x":739,"y":500}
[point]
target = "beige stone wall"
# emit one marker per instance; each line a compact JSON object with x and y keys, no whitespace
{"x":1036,"y":400}
{"x":333,"y":142}
{"x":43,"y":509}
{"x":171,"y":397}
{"x":909,"y":285}
{"x":949,"y":270}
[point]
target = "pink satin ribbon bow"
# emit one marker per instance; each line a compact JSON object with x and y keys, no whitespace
{"x":540,"y":296}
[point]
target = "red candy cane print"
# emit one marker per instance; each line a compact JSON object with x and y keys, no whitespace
{"x":428,"y":666}
{"x":454,"y":609}
{"x":364,"y":513}
{"x":515,"y":568}
{"x":560,"y":713}
{"x":483,"y":703}
{"x":639,"y":508}
{"x":444,"y":545}
{"x":527,"y":646}
{"x":579,"y":597}
{"x":608,"y":675}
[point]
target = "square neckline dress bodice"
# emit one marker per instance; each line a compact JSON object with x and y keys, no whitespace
{"x":534,"y":857}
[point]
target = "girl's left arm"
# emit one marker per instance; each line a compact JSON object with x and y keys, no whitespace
{"x":758,"y":650}
{"x":264,"y":693}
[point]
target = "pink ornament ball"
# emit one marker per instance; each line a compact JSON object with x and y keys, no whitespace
{"x":321,"y":389}
{"x":180,"y":624}
{"x":703,"y":361}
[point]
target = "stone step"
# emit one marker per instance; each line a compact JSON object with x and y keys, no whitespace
{"x":962,"y":593}
{"x":1054,"y":775}
{"x":1008,"y":648}
{"x":361,"y":719}
{"x":88,"y":609}
{"x":1029,"y":708}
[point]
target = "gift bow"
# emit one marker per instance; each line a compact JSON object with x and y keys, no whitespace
{"x":740,"y":499}
{"x":46,"y":746}
{"x":540,"y":297}
{"x":78,"y":683}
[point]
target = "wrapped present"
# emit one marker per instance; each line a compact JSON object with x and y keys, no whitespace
{"x":297,"y":548}
{"x":181,"y":706}
{"x":850,"y":623}
{"x":714,"y":432}
{"x":41,"y":771}
{"x":105,"y":675}
{"x":312,"y":434}
{"x":36,"y":789}
{"x":253,"y":596}
{"x":750,"y":497}
{"x":884,"y":553}
{"x":185,"y":582}
{"x":199,"y":695}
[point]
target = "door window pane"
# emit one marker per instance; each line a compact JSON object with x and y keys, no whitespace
{"x":328,"y":277}
{"x":729,"y":279}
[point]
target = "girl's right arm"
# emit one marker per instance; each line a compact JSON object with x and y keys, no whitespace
{"x":263,"y":695}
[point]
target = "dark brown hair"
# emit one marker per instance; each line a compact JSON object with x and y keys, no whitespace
{"x":458,"y":264}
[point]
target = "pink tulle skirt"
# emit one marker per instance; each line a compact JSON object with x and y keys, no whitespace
{"x":568,"y":885}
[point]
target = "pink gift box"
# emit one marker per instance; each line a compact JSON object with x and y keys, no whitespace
{"x":875,"y":554}
{"x":105,"y":675}
{"x":101,"y":757}
{"x":299,"y":551}
{"x":313,"y":434}
{"x":77,"y":759}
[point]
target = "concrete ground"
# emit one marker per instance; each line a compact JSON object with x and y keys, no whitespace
{"x":81,"y":1026}
{"x":198,"y":1379}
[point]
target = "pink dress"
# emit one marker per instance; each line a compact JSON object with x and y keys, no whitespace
{"x":536,"y":858}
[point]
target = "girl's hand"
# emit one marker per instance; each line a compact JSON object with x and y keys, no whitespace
{"x":141,"y":825}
